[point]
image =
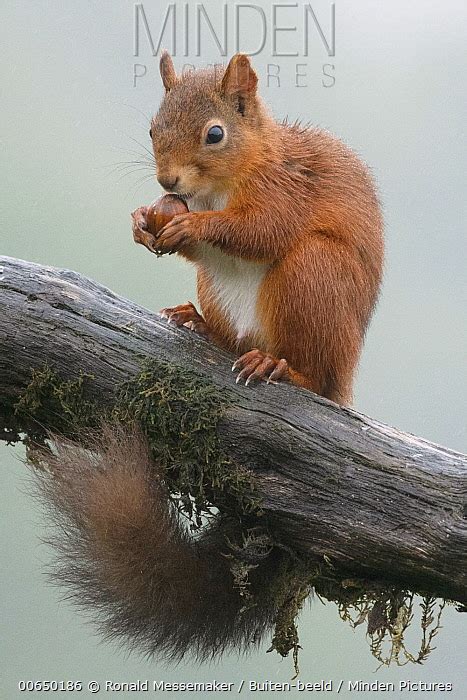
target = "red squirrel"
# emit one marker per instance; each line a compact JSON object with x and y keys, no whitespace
{"x":284,"y":229}
{"x":286,"y":234}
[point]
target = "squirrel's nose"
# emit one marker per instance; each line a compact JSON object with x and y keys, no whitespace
{"x":167,"y":183}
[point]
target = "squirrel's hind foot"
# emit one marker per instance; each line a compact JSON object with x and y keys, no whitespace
{"x":256,"y":365}
{"x":186,"y":315}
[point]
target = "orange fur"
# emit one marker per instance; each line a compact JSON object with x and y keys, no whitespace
{"x":296,"y":199}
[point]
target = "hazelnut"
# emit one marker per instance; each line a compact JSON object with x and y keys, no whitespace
{"x":163,"y":210}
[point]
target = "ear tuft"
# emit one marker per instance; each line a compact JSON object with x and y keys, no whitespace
{"x":167,"y":69}
{"x":240,"y":79}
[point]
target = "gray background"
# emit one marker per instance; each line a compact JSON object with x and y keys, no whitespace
{"x":70,"y":113}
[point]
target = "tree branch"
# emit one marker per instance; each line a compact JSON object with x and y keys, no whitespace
{"x":376,"y":502}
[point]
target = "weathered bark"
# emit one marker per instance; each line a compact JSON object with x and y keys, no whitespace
{"x":373,"y":500}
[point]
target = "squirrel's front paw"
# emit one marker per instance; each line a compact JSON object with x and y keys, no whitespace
{"x":140,"y":230}
{"x":179,"y":233}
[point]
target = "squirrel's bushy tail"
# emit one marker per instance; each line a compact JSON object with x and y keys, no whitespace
{"x":124,"y":554}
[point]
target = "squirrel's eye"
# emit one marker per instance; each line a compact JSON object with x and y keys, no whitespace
{"x":150,"y":133}
{"x":215,"y":134}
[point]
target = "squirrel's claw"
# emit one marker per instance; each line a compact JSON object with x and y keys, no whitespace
{"x":248,"y":370}
{"x":257,"y":365}
{"x":186,"y":315}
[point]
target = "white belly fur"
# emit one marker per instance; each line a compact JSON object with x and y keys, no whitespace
{"x":235,"y":282}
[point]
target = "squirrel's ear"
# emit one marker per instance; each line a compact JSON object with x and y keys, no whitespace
{"x":240,"y":80}
{"x":168,"y":74}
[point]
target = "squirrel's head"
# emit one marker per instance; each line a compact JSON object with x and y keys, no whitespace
{"x":210,"y":126}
